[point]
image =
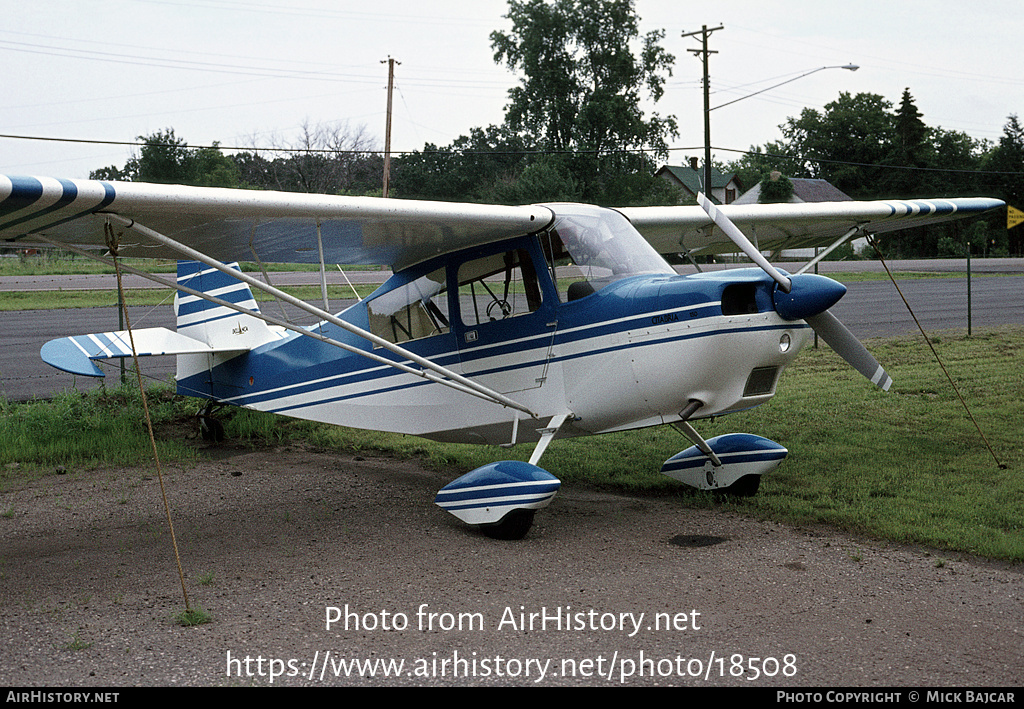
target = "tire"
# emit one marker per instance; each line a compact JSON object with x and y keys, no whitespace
{"x":747,"y":486}
{"x":211,"y":429}
{"x":515,"y":525}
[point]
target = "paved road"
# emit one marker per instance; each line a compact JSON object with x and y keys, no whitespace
{"x":870,"y":309}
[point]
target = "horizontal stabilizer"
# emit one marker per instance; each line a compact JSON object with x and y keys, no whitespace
{"x":76,"y":354}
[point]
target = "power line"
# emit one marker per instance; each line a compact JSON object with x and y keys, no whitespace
{"x":439,"y":151}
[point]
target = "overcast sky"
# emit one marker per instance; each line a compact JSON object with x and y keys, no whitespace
{"x":251,"y":73}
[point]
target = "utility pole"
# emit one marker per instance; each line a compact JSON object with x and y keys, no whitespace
{"x":387,"y":132}
{"x":703,"y":54}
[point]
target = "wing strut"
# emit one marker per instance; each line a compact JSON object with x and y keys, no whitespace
{"x":835,"y":245}
{"x":438,"y":374}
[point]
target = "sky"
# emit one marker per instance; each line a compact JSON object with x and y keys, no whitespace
{"x":251,"y":74}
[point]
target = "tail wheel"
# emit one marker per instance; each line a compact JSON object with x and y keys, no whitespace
{"x":211,"y":429}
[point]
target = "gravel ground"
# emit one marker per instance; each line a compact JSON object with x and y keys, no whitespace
{"x":272,"y":542}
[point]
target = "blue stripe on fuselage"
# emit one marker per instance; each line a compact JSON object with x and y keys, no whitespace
{"x":294,"y":367}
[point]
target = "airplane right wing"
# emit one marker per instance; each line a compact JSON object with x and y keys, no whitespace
{"x":793,"y":225}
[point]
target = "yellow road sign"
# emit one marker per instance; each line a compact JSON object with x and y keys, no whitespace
{"x":1013,"y":217}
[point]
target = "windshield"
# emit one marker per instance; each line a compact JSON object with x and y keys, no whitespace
{"x":602,"y":246}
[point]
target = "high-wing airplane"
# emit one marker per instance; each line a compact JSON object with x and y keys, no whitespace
{"x":501,"y":324}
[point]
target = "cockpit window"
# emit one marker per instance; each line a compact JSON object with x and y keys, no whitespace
{"x":588,"y":247}
{"x":416,"y":310}
{"x":499,"y":286}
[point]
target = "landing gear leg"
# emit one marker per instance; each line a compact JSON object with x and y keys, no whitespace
{"x":210,"y":428}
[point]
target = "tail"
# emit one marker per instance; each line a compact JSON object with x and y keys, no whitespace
{"x":207,"y":333}
{"x":226,"y":331}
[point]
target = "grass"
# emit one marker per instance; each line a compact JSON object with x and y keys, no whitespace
{"x":56,"y":262}
{"x":85,"y":430}
{"x":192,"y":616}
{"x":907,"y":465}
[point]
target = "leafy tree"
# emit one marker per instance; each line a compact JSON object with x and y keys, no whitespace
{"x":582,"y":84}
{"x":759,"y":162}
{"x":581,"y":92}
{"x":466,"y":171}
{"x":164,"y":158}
{"x":775,"y":188}
{"x":1007,"y":161}
{"x":848,"y":145}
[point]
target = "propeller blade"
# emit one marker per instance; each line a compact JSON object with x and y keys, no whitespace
{"x":849,"y":348}
{"x":818,"y":293}
{"x":739,"y":238}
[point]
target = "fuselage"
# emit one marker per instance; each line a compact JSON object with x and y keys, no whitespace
{"x":616,"y":351}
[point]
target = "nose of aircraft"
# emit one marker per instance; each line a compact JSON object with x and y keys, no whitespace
{"x":808,"y":296}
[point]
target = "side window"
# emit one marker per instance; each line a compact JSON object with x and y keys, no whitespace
{"x":496,"y":287}
{"x":416,"y":310}
{"x":569,"y":279}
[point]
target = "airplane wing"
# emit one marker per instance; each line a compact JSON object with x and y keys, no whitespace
{"x":237,"y":225}
{"x":791,"y":226}
{"x":243,"y":225}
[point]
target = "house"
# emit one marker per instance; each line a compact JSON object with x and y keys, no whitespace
{"x":804,"y":190}
{"x":690,"y":179}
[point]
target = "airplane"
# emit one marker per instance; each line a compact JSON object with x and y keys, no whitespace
{"x":500,"y":325}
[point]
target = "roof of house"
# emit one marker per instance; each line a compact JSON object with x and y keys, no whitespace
{"x":804,"y":190}
{"x":693,"y":180}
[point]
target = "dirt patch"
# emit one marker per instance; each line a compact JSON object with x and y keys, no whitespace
{"x":274,"y":543}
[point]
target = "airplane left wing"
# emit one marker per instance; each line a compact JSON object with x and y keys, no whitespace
{"x":792,"y":226}
{"x":239,"y":225}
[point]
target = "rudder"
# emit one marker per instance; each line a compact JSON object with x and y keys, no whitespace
{"x":228,"y":331}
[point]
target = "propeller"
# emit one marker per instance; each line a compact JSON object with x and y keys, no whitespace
{"x":806,"y":297}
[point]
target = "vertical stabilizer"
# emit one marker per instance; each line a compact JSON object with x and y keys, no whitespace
{"x":224,"y":329}
{"x":218,"y":326}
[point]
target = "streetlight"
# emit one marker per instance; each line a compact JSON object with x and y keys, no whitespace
{"x":704,"y":53}
{"x":849,"y":67}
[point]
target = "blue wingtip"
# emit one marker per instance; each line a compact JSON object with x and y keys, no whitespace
{"x":67,"y":357}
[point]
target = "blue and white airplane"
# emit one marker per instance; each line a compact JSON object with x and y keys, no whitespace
{"x":501,"y":324}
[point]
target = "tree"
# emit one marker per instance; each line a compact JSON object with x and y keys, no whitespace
{"x":911,"y":131}
{"x":759,"y":162}
{"x":465,"y":171}
{"x":909,"y":150}
{"x":775,"y":188}
{"x":1007,"y":161}
{"x":583,"y":86}
{"x":323,"y":159}
{"x":848,"y":145}
{"x":164,"y":158}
